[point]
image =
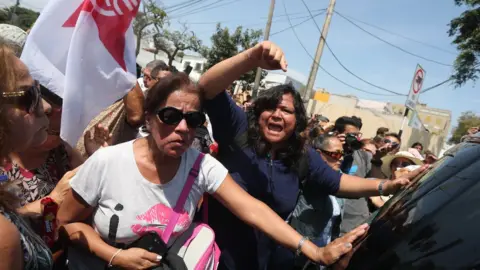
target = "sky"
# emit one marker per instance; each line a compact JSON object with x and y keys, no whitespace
{"x":425,"y":21}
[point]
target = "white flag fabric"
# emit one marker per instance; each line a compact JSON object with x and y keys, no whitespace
{"x":84,"y":51}
{"x":415,"y":122}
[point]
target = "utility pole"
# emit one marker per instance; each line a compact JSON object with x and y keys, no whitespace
{"x":265,"y":37}
{"x":318,"y":54}
{"x":13,"y":12}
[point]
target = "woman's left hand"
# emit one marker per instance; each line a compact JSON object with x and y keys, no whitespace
{"x":331,"y":253}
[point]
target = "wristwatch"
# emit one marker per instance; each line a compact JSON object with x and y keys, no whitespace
{"x":380,"y":187}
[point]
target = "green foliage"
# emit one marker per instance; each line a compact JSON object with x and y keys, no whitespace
{"x":226,"y":45}
{"x":151,"y":15}
{"x":174,"y":42}
{"x":467,"y":120}
{"x":466,"y":30}
{"x":19,"y":16}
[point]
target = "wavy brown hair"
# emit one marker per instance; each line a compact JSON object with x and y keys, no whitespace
{"x":7,"y":84}
{"x":267,"y":100}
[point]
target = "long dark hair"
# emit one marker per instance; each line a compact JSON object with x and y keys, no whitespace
{"x":267,"y":100}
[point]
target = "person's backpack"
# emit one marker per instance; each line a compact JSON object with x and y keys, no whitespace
{"x":197,"y":245}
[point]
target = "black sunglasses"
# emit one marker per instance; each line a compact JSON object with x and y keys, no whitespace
{"x":28,"y":99}
{"x":51,"y":97}
{"x":394,"y":144}
{"x":173,"y":116}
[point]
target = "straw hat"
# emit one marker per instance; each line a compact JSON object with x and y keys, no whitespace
{"x":387,"y":161}
{"x":13,"y":34}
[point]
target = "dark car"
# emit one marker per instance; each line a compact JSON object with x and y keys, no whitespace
{"x":432,"y":224}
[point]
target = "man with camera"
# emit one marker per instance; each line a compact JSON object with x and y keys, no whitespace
{"x":356,"y":162}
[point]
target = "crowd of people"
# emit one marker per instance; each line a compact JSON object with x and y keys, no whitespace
{"x":254,"y":165}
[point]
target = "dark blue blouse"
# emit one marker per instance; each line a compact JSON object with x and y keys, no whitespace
{"x":267,"y":180}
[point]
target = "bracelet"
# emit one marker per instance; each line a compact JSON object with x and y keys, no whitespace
{"x":300,"y":245}
{"x":113,"y":257}
{"x":380,"y":187}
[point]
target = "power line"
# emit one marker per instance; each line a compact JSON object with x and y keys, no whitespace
{"x":340,"y":62}
{"x":205,"y":8}
{"x":295,"y":25}
{"x":435,"y":86}
{"x":276,"y":19}
{"x":320,"y":66}
{"x":179,"y":6}
{"x":391,"y":44}
{"x":402,"y":36}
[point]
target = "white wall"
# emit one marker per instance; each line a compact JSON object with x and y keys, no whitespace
{"x":145,"y":57}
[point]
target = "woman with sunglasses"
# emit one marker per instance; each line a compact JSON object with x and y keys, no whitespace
{"x":330,"y":148}
{"x":265,"y":163}
{"x":23,"y":124}
{"x":393,"y":167}
{"x":38,"y":172}
{"x":140,"y":181}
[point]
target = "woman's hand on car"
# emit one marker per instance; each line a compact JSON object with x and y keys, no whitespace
{"x":331,"y":253}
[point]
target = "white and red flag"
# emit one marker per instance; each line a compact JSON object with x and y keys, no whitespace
{"x":84,"y":51}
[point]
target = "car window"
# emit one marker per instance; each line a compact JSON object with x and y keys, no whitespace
{"x":433,"y":224}
{"x":415,"y":186}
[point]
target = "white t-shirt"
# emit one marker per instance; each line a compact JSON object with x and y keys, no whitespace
{"x":142,"y":85}
{"x":110,"y":182}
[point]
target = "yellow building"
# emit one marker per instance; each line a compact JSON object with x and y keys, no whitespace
{"x":435,"y":120}
{"x":377,"y":114}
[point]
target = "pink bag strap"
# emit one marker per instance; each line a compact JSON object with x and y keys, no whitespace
{"x":178,"y":209}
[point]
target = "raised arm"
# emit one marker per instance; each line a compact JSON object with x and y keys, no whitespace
{"x":266,"y":55}
{"x":260,"y":216}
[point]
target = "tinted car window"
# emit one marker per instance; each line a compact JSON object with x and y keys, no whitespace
{"x":433,"y":224}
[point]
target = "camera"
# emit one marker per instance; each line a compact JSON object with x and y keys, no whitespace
{"x":352,"y":141}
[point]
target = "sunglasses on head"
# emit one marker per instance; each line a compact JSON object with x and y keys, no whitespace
{"x":173,"y":116}
{"x":335,"y":155}
{"x":28,"y":99}
{"x":394,"y":144}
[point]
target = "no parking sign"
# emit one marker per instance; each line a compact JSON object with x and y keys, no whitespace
{"x":417,"y":84}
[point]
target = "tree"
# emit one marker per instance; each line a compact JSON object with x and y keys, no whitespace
{"x":466,"y":121}
{"x":174,"y":43}
{"x":19,"y":16}
{"x":466,"y":30}
{"x":152,"y":15}
{"x":226,"y":45}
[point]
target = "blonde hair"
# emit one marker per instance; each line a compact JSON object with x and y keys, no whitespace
{"x":7,"y":84}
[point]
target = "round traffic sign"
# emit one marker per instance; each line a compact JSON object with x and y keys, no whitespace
{"x":418,"y":81}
